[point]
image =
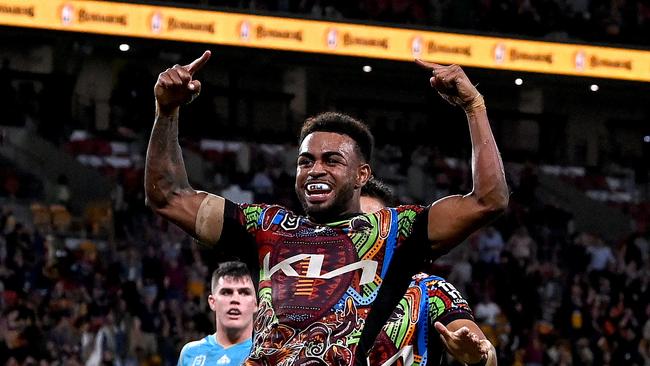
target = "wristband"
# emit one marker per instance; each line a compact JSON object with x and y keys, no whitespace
{"x":477,"y":103}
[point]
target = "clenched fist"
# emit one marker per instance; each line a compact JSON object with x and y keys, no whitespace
{"x":176,"y":87}
{"x":453,"y":85}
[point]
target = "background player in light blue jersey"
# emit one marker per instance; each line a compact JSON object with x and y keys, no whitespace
{"x":234,"y":303}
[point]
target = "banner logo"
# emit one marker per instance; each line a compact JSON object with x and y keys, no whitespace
{"x":580,"y":60}
{"x":67,"y":14}
{"x":350,"y":40}
{"x":433,"y":47}
{"x":416,"y":46}
{"x":596,"y":61}
{"x":263,"y":32}
{"x":533,"y":57}
{"x":500,"y":53}
{"x":174,"y":24}
{"x":17,"y":10}
{"x":245,"y":30}
{"x":156,"y":22}
{"x":332,"y":38}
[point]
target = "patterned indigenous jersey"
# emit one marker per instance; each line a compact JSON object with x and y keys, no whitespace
{"x":409,"y":337}
{"x":319,"y":282}
{"x":207,"y":352}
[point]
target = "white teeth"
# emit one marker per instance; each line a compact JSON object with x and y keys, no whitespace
{"x":318,"y":187}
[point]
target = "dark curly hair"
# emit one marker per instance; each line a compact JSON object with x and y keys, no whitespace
{"x":375,"y":188}
{"x":342,"y":124}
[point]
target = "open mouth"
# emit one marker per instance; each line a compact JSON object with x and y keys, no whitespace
{"x":317,"y":192}
{"x":234,"y":312}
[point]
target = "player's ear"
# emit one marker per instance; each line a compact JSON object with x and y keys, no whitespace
{"x":363,"y":175}
{"x":212,"y":302}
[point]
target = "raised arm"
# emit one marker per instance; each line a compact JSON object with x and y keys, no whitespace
{"x":166,"y":185}
{"x":453,"y":218}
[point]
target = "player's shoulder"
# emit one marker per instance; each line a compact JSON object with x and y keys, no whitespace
{"x":267,"y":209}
{"x":401,"y":211}
{"x":409,"y":210}
{"x":428,"y":280}
{"x":192,"y":347}
{"x":261,"y":213}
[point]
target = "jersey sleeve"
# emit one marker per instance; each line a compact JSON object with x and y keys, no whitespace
{"x":412,"y":222}
{"x":242,"y":215}
{"x":445,"y":303}
{"x":412,"y":234}
{"x":240,"y":224}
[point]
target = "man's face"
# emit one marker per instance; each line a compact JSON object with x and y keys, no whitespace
{"x":234,"y":302}
{"x":371,"y":204}
{"x":329,"y":171}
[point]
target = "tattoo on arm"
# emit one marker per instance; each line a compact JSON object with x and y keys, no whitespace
{"x":165,"y":172}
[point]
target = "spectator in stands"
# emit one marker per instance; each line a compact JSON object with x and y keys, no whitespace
{"x":601,"y":255}
{"x":487,"y":311}
{"x":142,"y":344}
{"x":62,"y":194}
{"x":522,"y":247}
{"x":175,"y":279}
{"x":417,"y":178}
{"x":262,"y":185}
{"x":490,"y":245}
{"x":461,"y":273}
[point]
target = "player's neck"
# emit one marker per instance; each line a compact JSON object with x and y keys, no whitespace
{"x":230,"y":337}
{"x":325,"y":218}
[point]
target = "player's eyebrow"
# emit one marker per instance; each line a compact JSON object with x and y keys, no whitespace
{"x":325,"y":154}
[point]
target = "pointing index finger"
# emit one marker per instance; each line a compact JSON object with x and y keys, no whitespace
{"x":197,"y":64}
{"x":427,"y":65}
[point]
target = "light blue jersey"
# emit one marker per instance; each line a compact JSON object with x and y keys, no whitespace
{"x":207,"y":352}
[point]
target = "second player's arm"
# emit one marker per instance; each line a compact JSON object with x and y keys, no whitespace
{"x":466,"y":342}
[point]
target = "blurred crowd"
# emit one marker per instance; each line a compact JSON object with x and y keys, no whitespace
{"x":544,"y":294}
{"x":72,"y":300}
{"x":611,"y":21}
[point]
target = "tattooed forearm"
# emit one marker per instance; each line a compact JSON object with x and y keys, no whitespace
{"x":165,"y":173}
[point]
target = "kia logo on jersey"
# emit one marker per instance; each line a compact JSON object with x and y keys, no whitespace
{"x":314,"y":268}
